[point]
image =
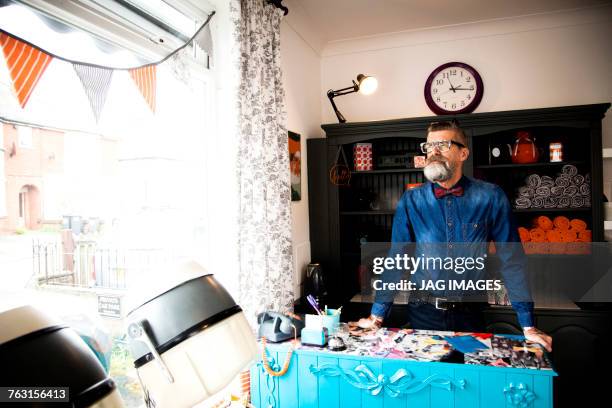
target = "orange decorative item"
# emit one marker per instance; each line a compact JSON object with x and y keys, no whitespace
{"x":585,"y":236}
{"x":556,"y":152}
{"x":537,"y":235}
{"x":568,"y":235}
{"x":554,"y":235}
{"x":524,"y":234}
{"x":578,"y":225}
{"x":410,"y":186}
{"x":561,"y":222}
{"x":524,"y":150}
{"x":544,"y":222}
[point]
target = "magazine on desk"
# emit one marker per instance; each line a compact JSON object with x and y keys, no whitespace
{"x":424,"y":345}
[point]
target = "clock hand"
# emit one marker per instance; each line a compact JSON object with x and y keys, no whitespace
{"x":463,"y":89}
{"x":452,"y":88}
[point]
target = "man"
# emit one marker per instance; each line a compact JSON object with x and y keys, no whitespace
{"x":453,"y":208}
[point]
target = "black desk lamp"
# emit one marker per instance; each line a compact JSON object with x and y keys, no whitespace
{"x":365,"y":85}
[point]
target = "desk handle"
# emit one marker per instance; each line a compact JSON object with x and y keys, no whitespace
{"x":400,"y":383}
{"x":519,"y":395}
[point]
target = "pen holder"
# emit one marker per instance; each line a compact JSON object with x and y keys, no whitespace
{"x":330,"y":321}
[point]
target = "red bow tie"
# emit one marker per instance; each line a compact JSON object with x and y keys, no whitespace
{"x":440,"y":192}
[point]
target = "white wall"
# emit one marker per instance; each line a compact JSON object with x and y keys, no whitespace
{"x":537,"y":61}
{"x":542,"y":60}
{"x":529,"y":62}
{"x":301,"y":66}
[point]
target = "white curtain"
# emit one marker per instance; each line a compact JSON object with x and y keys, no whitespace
{"x":265,"y":247}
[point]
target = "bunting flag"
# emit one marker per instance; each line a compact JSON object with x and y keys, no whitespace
{"x":96,"y":82}
{"x":204,"y":40}
{"x":26,"y":65}
{"x":145,"y":79}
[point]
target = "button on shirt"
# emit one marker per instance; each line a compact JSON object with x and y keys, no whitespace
{"x":480,"y":214}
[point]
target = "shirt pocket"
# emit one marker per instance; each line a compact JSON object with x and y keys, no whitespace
{"x":475,"y":231}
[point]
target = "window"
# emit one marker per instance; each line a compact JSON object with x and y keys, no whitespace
{"x":106,"y":206}
{"x":24,"y":136}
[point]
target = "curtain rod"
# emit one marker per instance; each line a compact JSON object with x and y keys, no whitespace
{"x":279,"y":4}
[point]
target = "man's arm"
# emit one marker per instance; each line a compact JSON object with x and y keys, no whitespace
{"x":400,"y":234}
{"x":513,"y":267}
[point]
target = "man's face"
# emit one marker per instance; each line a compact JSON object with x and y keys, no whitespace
{"x":443,"y":165}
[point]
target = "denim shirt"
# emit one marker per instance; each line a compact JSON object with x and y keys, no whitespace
{"x":483,"y":213}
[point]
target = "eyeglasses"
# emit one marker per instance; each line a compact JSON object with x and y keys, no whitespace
{"x":443,"y":145}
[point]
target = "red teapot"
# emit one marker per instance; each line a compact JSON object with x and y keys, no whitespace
{"x":524,"y":150}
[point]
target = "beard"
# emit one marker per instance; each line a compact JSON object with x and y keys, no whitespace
{"x":438,"y":169}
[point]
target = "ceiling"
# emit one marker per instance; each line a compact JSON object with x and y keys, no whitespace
{"x":343,"y":19}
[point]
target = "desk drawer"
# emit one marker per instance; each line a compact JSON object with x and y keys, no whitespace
{"x":327,"y":381}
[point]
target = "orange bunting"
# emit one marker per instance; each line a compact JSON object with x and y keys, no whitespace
{"x":146,"y":81}
{"x":26,"y":66}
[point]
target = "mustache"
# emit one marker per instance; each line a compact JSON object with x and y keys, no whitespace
{"x":436,"y":158}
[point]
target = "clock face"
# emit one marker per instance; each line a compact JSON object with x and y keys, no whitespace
{"x":453,"y":88}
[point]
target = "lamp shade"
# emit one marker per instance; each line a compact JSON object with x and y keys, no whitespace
{"x":367,"y":84}
{"x":37,"y":350}
{"x":189,"y":342}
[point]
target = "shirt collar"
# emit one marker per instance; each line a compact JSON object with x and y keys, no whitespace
{"x":463,"y":182}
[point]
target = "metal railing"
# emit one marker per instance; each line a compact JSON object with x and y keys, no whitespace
{"x":86,"y":265}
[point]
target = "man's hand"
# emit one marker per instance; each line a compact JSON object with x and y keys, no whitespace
{"x":538,"y":336}
{"x":370,"y":323}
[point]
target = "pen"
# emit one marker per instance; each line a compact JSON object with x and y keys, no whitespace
{"x":337,"y":312}
{"x":313,"y":303}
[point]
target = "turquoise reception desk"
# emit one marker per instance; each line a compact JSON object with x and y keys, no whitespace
{"x":325,"y":379}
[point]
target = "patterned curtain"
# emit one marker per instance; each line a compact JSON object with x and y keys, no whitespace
{"x":265,"y":247}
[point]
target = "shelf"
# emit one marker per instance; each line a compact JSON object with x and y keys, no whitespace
{"x":389,"y":171}
{"x":376,"y":212}
{"x":536,"y":210}
{"x":528,"y":165}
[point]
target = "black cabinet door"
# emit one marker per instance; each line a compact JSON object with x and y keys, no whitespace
{"x":581,"y":355}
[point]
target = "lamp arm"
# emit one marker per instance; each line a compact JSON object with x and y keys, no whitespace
{"x":331,"y":95}
{"x":344,"y":91}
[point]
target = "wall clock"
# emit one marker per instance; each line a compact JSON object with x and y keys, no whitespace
{"x":453,"y":88}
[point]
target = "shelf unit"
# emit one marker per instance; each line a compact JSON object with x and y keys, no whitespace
{"x":527,"y":165}
{"x":342,"y":217}
{"x":551,"y":210}
{"x":388,"y":171}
